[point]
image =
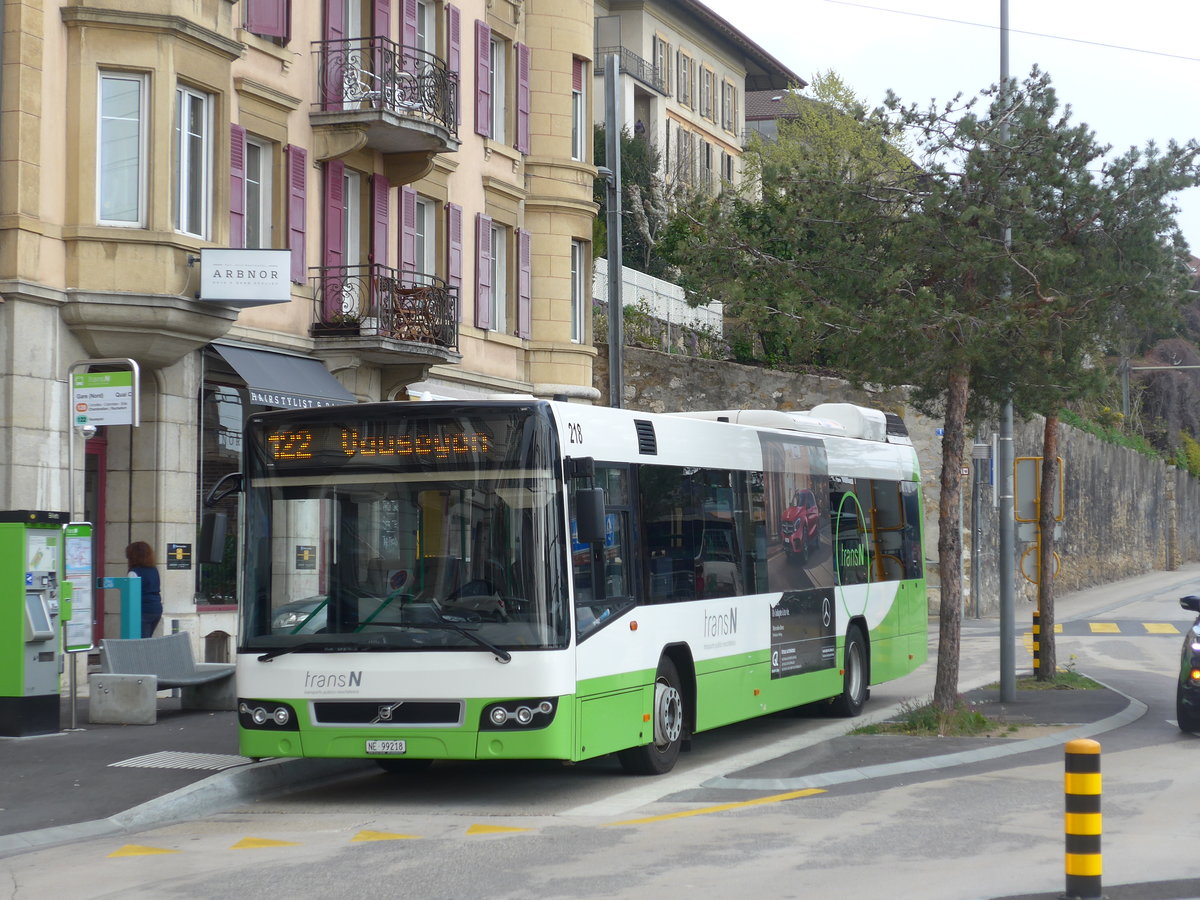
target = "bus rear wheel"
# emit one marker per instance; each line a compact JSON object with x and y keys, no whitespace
{"x":854,"y":679}
{"x":658,"y":757}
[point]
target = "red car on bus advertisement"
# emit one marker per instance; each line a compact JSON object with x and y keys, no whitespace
{"x":801,"y":524}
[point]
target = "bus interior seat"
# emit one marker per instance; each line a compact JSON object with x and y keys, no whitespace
{"x":436,"y":577}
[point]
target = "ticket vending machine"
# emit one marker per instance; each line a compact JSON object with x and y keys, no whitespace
{"x":30,"y":607}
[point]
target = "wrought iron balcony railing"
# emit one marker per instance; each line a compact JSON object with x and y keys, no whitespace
{"x":632,"y":64}
{"x":375,"y":300}
{"x":376,"y":73}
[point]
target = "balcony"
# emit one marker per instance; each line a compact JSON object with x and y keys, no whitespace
{"x":386,"y":314}
{"x":633,"y":65}
{"x":401,"y":100}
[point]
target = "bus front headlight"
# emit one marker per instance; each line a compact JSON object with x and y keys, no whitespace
{"x":515,"y":715}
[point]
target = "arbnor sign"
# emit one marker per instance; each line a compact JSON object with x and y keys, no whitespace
{"x":245,"y":277}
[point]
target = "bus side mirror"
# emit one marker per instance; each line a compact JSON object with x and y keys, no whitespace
{"x":589,"y":514}
{"x":212,"y":536}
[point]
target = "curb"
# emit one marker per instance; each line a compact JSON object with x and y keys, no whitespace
{"x":1133,"y":711}
{"x":210,"y":795}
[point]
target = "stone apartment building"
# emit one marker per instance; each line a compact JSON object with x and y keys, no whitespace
{"x":685,"y":74}
{"x":423,"y":164}
{"x":410,"y":180}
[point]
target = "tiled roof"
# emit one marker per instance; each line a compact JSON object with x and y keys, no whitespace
{"x":765,"y":71}
{"x":766,"y":105}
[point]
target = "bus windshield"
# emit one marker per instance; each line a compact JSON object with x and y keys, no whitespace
{"x":403,"y":528}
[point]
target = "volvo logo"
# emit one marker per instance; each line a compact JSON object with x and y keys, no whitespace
{"x":386,"y":710}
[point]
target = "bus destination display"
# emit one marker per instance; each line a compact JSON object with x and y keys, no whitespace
{"x":419,"y":444}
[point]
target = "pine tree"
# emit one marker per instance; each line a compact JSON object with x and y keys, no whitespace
{"x":896,"y":270}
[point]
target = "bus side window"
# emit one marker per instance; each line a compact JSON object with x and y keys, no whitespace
{"x":600,"y":570}
{"x":672,"y":520}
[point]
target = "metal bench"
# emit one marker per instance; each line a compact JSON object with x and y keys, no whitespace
{"x":133,"y":671}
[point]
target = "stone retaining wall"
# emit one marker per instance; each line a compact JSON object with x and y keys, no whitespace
{"x":1125,"y":514}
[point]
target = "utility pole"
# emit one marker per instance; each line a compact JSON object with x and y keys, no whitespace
{"x":1004,"y":461}
{"x":616,"y":309}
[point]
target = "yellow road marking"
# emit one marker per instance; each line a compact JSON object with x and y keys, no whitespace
{"x":251,"y":843}
{"x":1104,"y":628}
{"x":775,"y":798}
{"x":139,"y":850}
{"x":494,"y":829}
{"x":261,"y":843}
{"x":383,"y":836}
{"x":1160,"y":628}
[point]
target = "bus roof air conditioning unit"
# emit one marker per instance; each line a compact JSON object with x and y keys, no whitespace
{"x":859,"y":422}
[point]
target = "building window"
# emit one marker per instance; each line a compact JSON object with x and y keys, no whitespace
{"x":662,"y":63}
{"x":193,"y":161}
{"x":269,"y":18}
{"x":684,"y":86}
{"x":121,"y":151}
{"x":499,"y":278}
{"x":729,"y":106}
{"x":352,"y":224}
{"x":498,"y":77}
{"x":580,"y":296}
{"x":707,"y":88}
{"x":580,"y":133}
{"x":259,"y":163}
{"x":426,"y":31}
{"x":425,"y":240}
{"x":685,"y":157}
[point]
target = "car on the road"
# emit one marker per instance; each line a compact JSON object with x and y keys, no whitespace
{"x":800,"y":525}
{"x":1187,"y":693}
{"x":299,"y":616}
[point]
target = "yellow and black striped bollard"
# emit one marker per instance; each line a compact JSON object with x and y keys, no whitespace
{"x":1082,"y":820}
{"x":1037,"y":641}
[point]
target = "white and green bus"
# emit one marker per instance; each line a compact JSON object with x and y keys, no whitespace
{"x":532,"y":579}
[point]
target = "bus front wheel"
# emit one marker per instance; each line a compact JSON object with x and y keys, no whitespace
{"x":659,"y":756}
{"x":854,"y":680}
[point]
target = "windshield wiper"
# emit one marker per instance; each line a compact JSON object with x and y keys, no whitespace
{"x":444,"y":624}
{"x":500,"y":653}
{"x":324,"y":647}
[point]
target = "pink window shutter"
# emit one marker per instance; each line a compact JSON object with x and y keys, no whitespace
{"x":334,"y":54}
{"x":267,"y":18}
{"x":380,"y":218}
{"x":335,"y":214}
{"x":297,"y":166}
{"x":381,"y":22}
{"x":523,"y":98}
{"x":454,"y":54}
{"x":409,"y":57}
{"x":237,"y":186}
{"x":483,"y":271}
{"x":453,"y":39}
{"x":408,"y":231}
{"x":408,"y":27}
{"x":454,"y":253}
{"x":382,"y":18}
{"x":524,"y":284}
{"x":483,"y":79}
{"x":333,"y":257}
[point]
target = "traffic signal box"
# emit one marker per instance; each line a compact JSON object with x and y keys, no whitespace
{"x":31,"y":603}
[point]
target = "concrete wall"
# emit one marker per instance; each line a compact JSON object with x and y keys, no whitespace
{"x":1125,"y":513}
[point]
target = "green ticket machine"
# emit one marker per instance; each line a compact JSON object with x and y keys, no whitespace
{"x":31,"y":603}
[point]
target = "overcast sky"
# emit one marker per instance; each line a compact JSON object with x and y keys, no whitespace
{"x":920,"y":50}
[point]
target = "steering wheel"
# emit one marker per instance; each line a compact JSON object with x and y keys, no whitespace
{"x":476,"y":587}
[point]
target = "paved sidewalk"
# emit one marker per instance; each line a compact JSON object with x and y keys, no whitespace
{"x":99,"y":779}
